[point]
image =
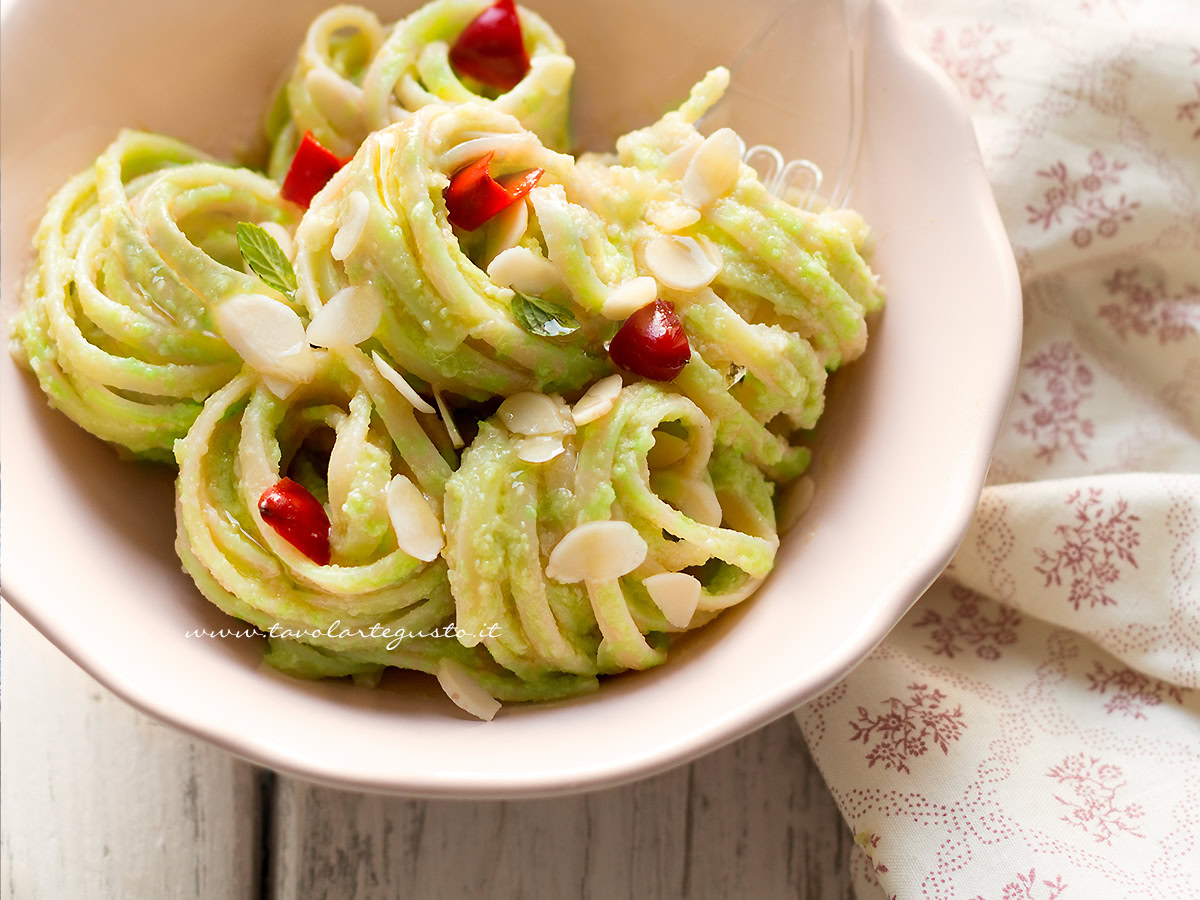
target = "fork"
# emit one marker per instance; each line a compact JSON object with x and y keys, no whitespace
{"x":802,"y":177}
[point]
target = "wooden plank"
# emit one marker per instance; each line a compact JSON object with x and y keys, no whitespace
{"x":102,"y":802}
{"x":752,"y":820}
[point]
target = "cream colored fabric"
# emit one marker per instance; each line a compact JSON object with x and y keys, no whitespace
{"x":1031,"y":729}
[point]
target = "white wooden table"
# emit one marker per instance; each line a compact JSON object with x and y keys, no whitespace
{"x":100,"y":801}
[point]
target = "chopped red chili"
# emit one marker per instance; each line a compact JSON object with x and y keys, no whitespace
{"x":474,"y":196}
{"x":311,"y":168}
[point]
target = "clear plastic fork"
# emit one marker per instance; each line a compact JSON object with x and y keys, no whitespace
{"x":801,"y":180}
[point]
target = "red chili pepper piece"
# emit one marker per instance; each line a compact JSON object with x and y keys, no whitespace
{"x":298,"y":517}
{"x":652,"y":343}
{"x":312,"y":166}
{"x":490,"y":48}
{"x":474,"y":196}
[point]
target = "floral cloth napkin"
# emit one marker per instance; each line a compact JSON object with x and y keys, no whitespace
{"x":1031,"y":729}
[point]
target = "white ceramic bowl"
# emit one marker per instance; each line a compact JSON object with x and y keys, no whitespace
{"x":87,"y":549}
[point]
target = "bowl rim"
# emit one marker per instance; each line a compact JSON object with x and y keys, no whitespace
{"x":756,"y":712}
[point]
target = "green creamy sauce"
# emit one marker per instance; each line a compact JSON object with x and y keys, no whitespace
{"x":135,"y":257}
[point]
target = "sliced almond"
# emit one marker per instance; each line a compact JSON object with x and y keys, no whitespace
{"x":628,"y":298}
{"x":540,"y":448}
{"x":670,"y":217}
{"x":797,"y":498}
{"x":667,"y":450}
{"x":354,"y":221}
{"x":268,"y":335}
{"x":277,"y":386}
{"x":335,"y":98}
{"x":697,"y":500}
{"x":349,"y":318}
{"x":418,"y":530}
{"x":399,"y":382}
{"x":597,"y":401}
{"x":683,"y":263}
{"x":596,"y":551}
{"x":507,"y":228}
{"x":693,"y":497}
{"x":523,"y":270}
{"x":505,"y":146}
{"x":456,"y":440}
{"x":713,"y":171}
{"x":677,"y":594}
{"x":676,"y":164}
{"x":282,"y":237}
{"x":467,"y":693}
{"x":529,"y":413}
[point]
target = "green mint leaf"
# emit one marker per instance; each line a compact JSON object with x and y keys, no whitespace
{"x":266,"y":258}
{"x":543,"y":318}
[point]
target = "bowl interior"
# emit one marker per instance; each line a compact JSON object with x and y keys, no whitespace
{"x":87,"y":552}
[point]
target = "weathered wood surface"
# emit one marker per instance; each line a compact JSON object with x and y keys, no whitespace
{"x":753,"y":820}
{"x":100,"y":802}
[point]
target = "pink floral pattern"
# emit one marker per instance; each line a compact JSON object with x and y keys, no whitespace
{"x":1055,"y":423}
{"x":1093,"y":548}
{"x":1093,"y":804}
{"x":906,"y":729}
{"x":1078,"y":777}
{"x":1147,"y":307}
{"x":971,"y":61}
{"x":1189,"y":111}
{"x":869,"y":842}
{"x":1030,"y":887}
{"x":976,"y":622}
{"x":1132,"y":692}
{"x":1094,"y":210}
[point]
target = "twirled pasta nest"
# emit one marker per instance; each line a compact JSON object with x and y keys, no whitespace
{"x":114,"y":323}
{"x":523,"y":551}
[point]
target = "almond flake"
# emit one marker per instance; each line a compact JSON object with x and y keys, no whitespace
{"x":456,"y":440}
{"x":677,"y":594}
{"x":277,"y":386}
{"x":671,"y":217}
{"x":400,"y":383}
{"x":797,"y":498}
{"x":523,"y":270}
{"x":697,"y":500}
{"x":596,"y":551}
{"x":418,"y":530}
{"x":354,"y":221}
{"x":667,"y":450}
{"x":683,"y":263}
{"x":507,"y":228}
{"x":677,"y":161}
{"x":694,"y":497}
{"x":626,"y":299}
{"x":467,"y":693}
{"x":505,"y":146}
{"x":530,"y":413}
{"x":349,"y":318}
{"x":713,"y":171}
{"x":268,"y":335}
{"x":540,"y":448}
{"x":598,"y":400}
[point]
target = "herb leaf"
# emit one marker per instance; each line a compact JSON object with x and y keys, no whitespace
{"x":543,"y":318}
{"x":266,"y":258}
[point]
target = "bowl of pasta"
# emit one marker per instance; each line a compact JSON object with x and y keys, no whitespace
{"x":472,"y":399}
